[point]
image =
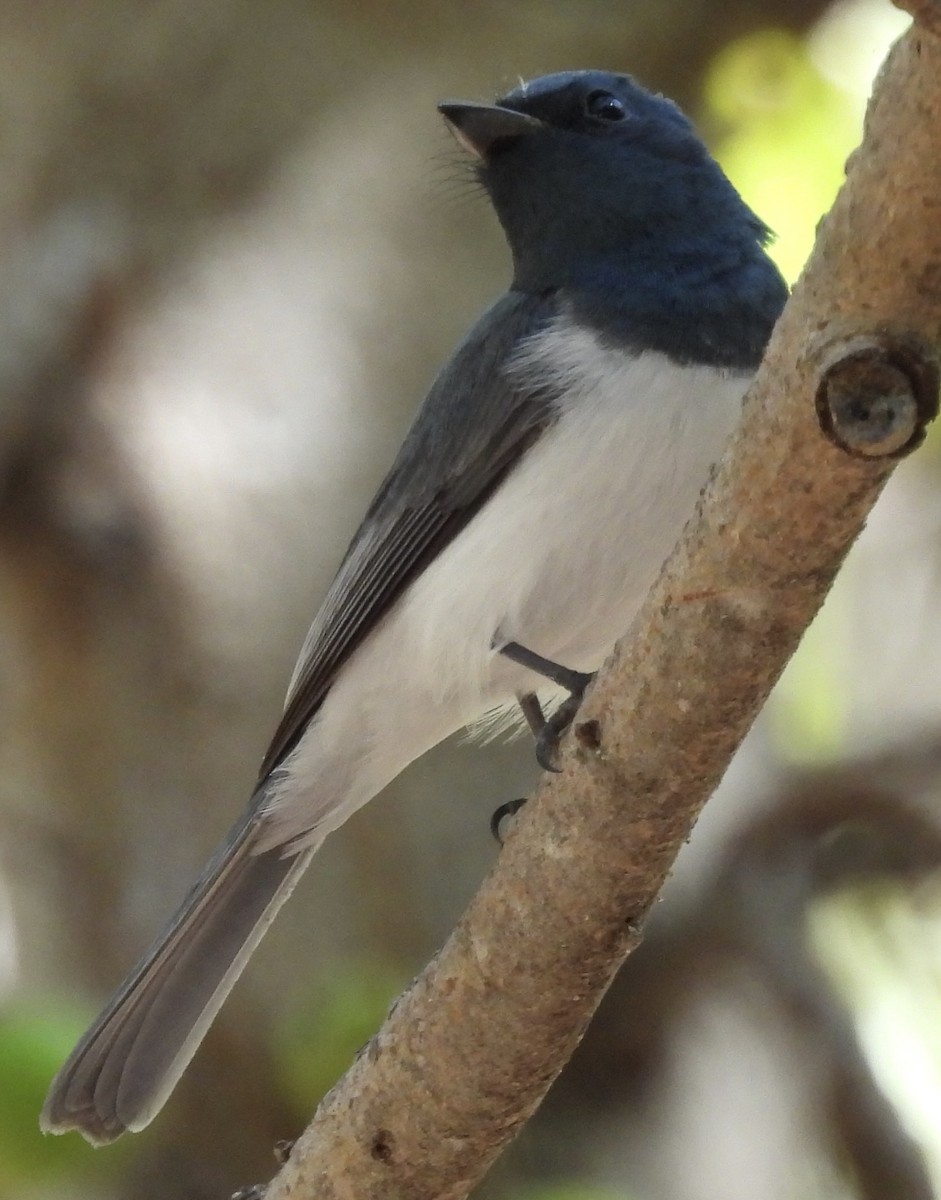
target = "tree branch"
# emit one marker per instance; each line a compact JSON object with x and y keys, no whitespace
{"x":847,"y":387}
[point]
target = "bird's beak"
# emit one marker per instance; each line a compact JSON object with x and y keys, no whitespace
{"x":478,"y":127}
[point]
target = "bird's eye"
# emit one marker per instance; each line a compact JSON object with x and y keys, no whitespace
{"x":605,"y":106}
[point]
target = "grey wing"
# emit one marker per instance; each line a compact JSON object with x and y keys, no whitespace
{"x":474,"y":425}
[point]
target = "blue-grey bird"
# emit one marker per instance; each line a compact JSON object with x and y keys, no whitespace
{"x":547,"y":476}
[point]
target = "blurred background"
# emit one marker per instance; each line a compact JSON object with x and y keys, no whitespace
{"x":236,"y":242}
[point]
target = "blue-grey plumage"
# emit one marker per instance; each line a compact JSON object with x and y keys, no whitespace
{"x":547,"y":476}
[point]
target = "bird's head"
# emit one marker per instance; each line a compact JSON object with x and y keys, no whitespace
{"x":586,"y":167}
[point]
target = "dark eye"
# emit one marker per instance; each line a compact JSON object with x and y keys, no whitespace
{"x":605,"y":106}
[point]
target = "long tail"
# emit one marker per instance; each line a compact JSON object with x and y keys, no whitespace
{"x":124,"y":1068}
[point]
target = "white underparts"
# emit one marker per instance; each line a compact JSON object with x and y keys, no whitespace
{"x":559,"y":559}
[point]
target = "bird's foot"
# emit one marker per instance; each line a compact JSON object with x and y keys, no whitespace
{"x":548,"y":731}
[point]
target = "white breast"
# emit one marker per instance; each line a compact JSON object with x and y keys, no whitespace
{"x":559,"y":559}
{"x":562,"y":556}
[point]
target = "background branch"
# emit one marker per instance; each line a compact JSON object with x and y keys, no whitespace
{"x":469,"y":1051}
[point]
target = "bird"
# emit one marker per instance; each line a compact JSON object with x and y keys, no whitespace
{"x":546,"y":477}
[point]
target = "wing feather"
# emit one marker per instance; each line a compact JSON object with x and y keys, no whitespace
{"x":476,"y":422}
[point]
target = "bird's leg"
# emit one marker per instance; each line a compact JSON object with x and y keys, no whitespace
{"x":532,"y":711}
{"x":548,"y":731}
{"x":574,"y":682}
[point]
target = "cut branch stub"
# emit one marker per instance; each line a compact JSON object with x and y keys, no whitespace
{"x":877,"y":395}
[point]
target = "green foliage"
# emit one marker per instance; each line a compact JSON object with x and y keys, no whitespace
{"x":788,"y":133}
{"x":570,"y":1191}
{"x":33,"y":1045}
{"x":316,"y":1042}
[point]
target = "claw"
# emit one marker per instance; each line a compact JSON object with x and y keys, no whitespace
{"x":549,"y":737}
{"x":500,"y":814}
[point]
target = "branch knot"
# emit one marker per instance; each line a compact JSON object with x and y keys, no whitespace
{"x":877,"y":394}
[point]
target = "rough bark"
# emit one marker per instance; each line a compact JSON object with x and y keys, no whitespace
{"x":847,"y":386}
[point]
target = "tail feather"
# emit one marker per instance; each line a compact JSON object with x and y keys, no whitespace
{"x":124,"y":1068}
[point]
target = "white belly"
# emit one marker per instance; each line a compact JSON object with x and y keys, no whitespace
{"x":559,"y":560}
